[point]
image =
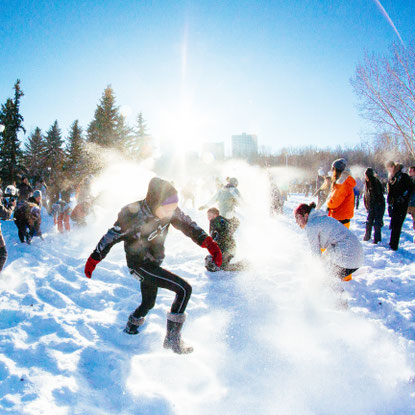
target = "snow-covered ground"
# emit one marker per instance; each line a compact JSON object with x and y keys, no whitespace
{"x":272,"y":340}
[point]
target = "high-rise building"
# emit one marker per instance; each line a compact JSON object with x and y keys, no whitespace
{"x":244,"y":146}
{"x":217,"y":150}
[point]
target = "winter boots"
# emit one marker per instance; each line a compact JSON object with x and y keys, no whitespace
{"x":133,"y":324}
{"x":173,"y":338}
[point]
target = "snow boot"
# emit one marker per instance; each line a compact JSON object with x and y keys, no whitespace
{"x":173,"y":339}
{"x":133,"y":324}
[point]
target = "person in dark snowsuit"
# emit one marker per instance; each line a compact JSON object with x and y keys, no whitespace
{"x":5,"y":214}
{"x":27,"y":219}
{"x":374,"y":201}
{"x":25,"y":190}
{"x":221,"y":230}
{"x":399,"y":191}
{"x":143,"y":227}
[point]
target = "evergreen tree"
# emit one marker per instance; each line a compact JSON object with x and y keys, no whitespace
{"x":34,"y":154}
{"x":10,"y":152}
{"x":108,"y":128}
{"x":140,"y":141}
{"x":54,"y":153}
{"x":75,"y":152}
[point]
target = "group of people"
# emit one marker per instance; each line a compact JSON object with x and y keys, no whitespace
{"x":340,"y":191}
{"x":329,"y":234}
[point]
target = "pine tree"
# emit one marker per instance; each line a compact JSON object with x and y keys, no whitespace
{"x":10,"y":152}
{"x":34,"y":154}
{"x":140,"y":141}
{"x":75,"y":152}
{"x":108,"y":128}
{"x":54,"y":153}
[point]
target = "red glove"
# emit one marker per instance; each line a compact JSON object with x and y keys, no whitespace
{"x":90,"y":266}
{"x":213,"y":249}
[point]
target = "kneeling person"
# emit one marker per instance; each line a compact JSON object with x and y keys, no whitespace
{"x":143,"y":227}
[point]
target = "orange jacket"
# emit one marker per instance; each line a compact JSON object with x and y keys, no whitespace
{"x":341,"y":199}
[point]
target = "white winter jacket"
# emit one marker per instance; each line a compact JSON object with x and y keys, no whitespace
{"x":341,"y":245}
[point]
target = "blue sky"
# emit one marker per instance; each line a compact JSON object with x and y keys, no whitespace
{"x":199,"y":70}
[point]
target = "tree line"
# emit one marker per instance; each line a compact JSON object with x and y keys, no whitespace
{"x":47,"y":156}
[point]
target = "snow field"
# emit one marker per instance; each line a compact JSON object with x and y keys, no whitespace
{"x":274,"y":339}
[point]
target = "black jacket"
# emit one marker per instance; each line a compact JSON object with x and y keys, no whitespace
{"x":373,"y":196}
{"x":221,"y":230}
{"x":399,"y":191}
{"x":144,"y":234}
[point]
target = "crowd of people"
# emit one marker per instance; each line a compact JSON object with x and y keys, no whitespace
{"x":143,"y":227}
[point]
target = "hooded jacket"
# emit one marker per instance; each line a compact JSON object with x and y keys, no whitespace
{"x":400,"y":187}
{"x":341,"y":246}
{"x":142,"y":232}
{"x":341,"y":199}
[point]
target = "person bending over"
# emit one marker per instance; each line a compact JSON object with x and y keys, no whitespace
{"x":342,"y":250}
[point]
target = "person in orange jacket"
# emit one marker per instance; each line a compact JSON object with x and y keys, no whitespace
{"x":340,"y":202}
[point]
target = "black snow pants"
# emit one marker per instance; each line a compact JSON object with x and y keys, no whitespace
{"x":398,"y":216}
{"x":153,"y":277}
{"x":374,"y":220}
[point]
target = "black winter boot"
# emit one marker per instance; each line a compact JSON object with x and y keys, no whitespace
{"x":133,"y":324}
{"x":173,"y":338}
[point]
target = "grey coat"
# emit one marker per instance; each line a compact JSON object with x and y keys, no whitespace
{"x":341,"y":245}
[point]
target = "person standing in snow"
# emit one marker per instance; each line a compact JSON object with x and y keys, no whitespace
{"x":143,"y":226}
{"x":5,"y":214}
{"x":61,"y":211}
{"x":399,"y":191}
{"x":358,"y":189}
{"x":340,"y":202}
{"x":411,"y":207}
{"x":228,"y":198}
{"x":374,"y":201}
{"x":25,"y":190}
{"x":341,"y":248}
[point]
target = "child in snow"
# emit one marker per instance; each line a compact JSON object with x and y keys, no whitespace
{"x":27,"y":219}
{"x":221,"y":230}
{"x":342,"y":250}
{"x":340,"y":202}
{"x":375,"y":205}
{"x":61,"y":211}
{"x":143,"y":227}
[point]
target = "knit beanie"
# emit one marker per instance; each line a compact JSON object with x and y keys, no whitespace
{"x":339,"y":164}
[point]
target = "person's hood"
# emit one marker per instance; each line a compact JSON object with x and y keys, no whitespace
{"x":316,"y":214}
{"x":346,"y":177}
{"x":159,"y":191}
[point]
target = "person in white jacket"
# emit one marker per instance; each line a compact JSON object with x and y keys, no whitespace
{"x":330,"y":239}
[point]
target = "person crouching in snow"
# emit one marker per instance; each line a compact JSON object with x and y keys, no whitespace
{"x":28,"y":219}
{"x":61,"y":211}
{"x":143,"y":227}
{"x":221,"y":230}
{"x":342,"y":249}
{"x":340,"y":202}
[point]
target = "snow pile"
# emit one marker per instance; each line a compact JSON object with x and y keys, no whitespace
{"x":274,"y":339}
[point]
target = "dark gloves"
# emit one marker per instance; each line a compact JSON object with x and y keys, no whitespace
{"x":90,"y":266}
{"x":213,"y":249}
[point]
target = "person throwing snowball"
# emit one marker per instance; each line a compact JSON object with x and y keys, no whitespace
{"x":143,"y":227}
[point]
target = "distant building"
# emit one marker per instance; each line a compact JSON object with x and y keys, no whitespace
{"x":244,"y":146}
{"x":217,"y":150}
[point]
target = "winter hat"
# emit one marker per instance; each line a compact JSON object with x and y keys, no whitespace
{"x":339,"y":164}
{"x":37,"y":193}
{"x":369,"y":172}
{"x":233,"y":181}
{"x":303,"y":209}
{"x":160,"y":193}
